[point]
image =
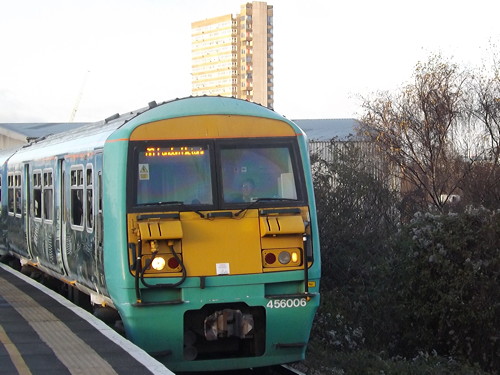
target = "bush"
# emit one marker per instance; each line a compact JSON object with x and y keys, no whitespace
{"x":428,"y":286}
{"x":446,"y":294}
{"x":356,"y":213}
{"x":320,"y":362}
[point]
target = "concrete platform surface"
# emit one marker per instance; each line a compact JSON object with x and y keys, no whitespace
{"x":43,"y":333}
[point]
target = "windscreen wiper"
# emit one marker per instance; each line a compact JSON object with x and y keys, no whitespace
{"x":173,"y":203}
{"x":264,"y":200}
{"x":168,"y":203}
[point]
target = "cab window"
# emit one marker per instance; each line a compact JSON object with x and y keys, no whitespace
{"x":174,"y":174}
{"x":260,"y":172}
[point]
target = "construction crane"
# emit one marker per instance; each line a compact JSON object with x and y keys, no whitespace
{"x":79,"y":98}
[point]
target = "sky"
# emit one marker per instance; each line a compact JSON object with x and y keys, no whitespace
{"x":85,"y":60}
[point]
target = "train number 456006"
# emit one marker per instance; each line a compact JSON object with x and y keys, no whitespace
{"x":286,"y":303}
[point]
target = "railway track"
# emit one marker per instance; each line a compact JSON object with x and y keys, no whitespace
{"x":285,"y":370}
{"x":274,"y":370}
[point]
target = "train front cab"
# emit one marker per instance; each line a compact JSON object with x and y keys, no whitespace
{"x":214,"y":279}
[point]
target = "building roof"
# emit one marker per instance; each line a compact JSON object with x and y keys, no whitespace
{"x":326,"y":129}
{"x":28,"y":131}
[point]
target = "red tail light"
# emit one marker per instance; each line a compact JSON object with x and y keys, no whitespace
{"x":173,"y":263}
{"x":270,"y":258}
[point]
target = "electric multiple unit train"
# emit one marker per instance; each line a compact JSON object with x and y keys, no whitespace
{"x":195,"y":219}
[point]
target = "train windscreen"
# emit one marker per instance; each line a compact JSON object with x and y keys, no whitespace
{"x":179,"y":174}
{"x":253,"y":173}
{"x":218,"y":173}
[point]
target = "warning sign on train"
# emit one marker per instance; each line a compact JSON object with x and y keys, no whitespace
{"x":143,"y":171}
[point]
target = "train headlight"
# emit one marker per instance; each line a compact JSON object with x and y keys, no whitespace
{"x":158,"y":263}
{"x":284,"y":257}
{"x":295,"y":257}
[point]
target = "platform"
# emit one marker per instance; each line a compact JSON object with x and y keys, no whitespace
{"x":43,"y":333}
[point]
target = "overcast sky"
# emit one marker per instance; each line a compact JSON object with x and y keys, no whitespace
{"x":109,"y":56}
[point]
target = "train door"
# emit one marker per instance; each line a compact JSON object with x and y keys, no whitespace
{"x":73,"y":218}
{"x":98,"y":230}
{"x":61,"y":227}
{"x":26,"y":209}
{"x":77,"y":225}
{"x":59,"y":216}
{"x":40,"y":228}
{"x":15,"y":225}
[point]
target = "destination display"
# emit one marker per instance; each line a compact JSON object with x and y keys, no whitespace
{"x":174,"y":151}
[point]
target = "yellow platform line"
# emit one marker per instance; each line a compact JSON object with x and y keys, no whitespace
{"x":73,"y":352}
{"x":15,"y":356}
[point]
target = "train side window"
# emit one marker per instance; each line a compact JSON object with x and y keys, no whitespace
{"x":10,"y":193}
{"x":18,"y":194}
{"x":37,"y":194}
{"x":90,"y":198}
{"x":48,"y":195}
{"x":77,"y":197}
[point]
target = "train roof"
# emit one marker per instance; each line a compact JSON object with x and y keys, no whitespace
{"x":6,"y":154}
{"x":88,"y":137}
{"x":92,"y":136}
{"x":201,"y":105}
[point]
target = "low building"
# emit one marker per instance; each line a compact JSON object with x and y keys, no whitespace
{"x":17,"y":134}
{"x":328,"y":137}
{"x":322,"y":132}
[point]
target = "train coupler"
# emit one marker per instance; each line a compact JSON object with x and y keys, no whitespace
{"x":228,"y":323}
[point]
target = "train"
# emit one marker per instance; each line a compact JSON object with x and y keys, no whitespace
{"x":193,"y":219}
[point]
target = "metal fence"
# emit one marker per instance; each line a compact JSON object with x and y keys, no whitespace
{"x":373,"y":161}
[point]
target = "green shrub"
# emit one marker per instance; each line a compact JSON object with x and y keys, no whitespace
{"x":430,"y":285}
{"x":356,"y":213}
{"x":446,"y":294}
{"x":365,"y":362}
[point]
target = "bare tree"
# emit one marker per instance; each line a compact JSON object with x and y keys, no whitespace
{"x":484,"y":110}
{"x":414,"y":129}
